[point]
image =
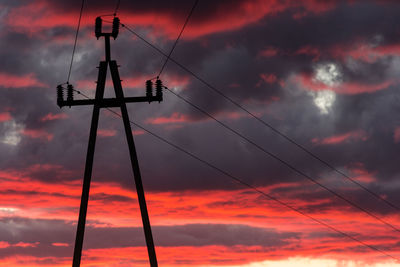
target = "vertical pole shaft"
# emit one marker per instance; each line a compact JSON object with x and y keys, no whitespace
{"x":89,"y":166}
{"x":135,"y":165}
{"x":107,"y":47}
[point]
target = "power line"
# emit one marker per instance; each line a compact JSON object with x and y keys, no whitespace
{"x":117,"y":7}
{"x":286,"y":163}
{"x":290,"y":166}
{"x":179,"y":36}
{"x":240,"y":181}
{"x":76,"y":39}
{"x":377,"y":196}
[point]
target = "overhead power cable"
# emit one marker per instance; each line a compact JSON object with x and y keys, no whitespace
{"x":76,"y":40}
{"x":117,"y":7}
{"x":278,"y":158}
{"x":376,"y":195}
{"x":179,"y":36}
{"x":287,"y":164}
{"x":242,"y":182}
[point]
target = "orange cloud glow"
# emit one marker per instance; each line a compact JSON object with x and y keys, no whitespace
{"x":5,"y":116}
{"x":106,"y":132}
{"x":38,"y":134}
{"x":174,"y":118}
{"x":396,"y":135}
{"x":112,"y":205}
{"x":34,"y":17}
{"x":14,"y":81}
{"x":338,"y":139}
{"x":52,"y":117}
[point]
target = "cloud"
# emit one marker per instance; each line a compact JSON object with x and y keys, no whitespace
{"x":175,"y":118}
{"x":12,"y":81}
{"x":356,"y":135}
{"x":396,"y":135}
{"x":323,"y":73}
{"x":5,"y":116}
{"x":51,"y":117}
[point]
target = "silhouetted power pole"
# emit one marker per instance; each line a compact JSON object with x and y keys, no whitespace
{"x":98,"y":103}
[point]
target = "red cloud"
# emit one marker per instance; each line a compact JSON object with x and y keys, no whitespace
{"x":14,"y":81}
{"x":268,"y":77}
{"x":361,"y":174}
{"x":338,"y":139}
{"x":396,"y":135}
{"x":138,"y":132}
{"x":38,"y":134}
{"x":269,"y":52}
{"x":174,"y":118}
{"x":349,"y":88}
{"x":106,"y":132}
{"x":309,"y":51}
{"x":37,"y":15}
{"x":113,"y":205}
{"x":365,"y":52}
{"x":5,"y":116}
{"x":51,"y":117}
{"x":60,"y":244}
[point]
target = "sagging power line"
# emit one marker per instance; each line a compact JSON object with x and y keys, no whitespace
{"x":251,"y":187}
{"x":75,"y":42}
{"x":285,"y":163}
{"x":107,"y":103}
{"x":266,"y":124}
{"x":177,"y":39}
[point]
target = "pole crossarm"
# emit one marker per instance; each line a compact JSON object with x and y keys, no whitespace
{"x":108,"y":102}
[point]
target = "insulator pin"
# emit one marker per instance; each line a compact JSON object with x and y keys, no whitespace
{"x":97,"y":29}
{"x":60,"y":95}
{"x":115,"y":27}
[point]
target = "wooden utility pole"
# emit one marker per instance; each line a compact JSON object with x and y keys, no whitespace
{"x":98,"y":103}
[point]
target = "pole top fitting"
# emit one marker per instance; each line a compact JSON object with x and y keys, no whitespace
{"x":99,"y":25}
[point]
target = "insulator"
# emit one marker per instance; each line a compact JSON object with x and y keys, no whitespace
{"x":60,"y":95}
{"x":98,"y":25}
{"x":115,"y":27}
{"x":149,"y":88}
{"x":70,"y":92}
{"x":159,"y":87}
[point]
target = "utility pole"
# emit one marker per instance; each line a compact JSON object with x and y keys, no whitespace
{"x":98,"y":103}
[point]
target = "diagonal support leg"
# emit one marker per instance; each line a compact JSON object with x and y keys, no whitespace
{"x":135,"y":165}
{"x":101,"y":80}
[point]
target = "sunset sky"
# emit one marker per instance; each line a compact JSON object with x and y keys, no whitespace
{"x":325,"y":73}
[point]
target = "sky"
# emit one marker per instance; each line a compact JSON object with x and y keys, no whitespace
{"x":324,"y":73}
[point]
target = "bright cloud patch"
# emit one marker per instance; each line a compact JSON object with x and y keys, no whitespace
{"x":12,"y":133}
{"x":324,"y":100}
{"x":328,"y":74}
